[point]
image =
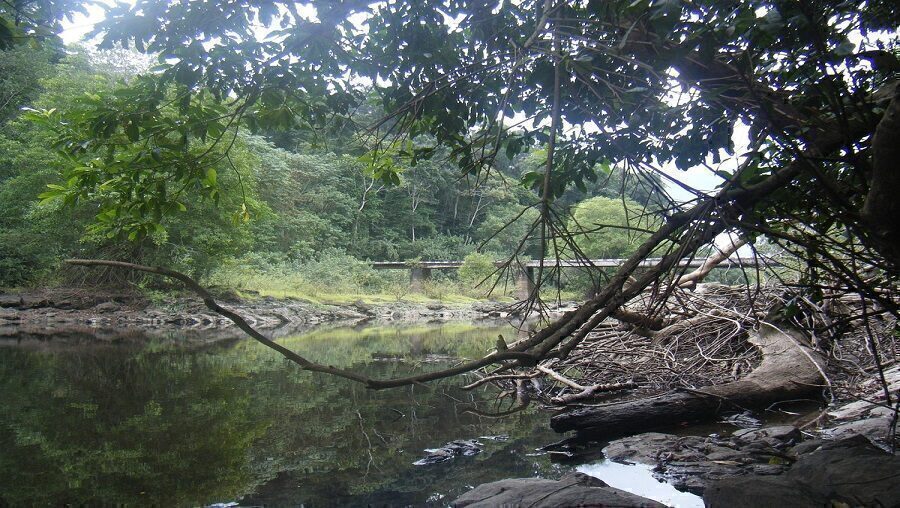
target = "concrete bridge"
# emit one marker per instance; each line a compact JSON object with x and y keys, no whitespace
{"x":420,"y":271}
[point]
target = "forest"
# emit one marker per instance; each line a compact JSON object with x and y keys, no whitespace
{"x":289,"y":214}
{"x":649,"y":215}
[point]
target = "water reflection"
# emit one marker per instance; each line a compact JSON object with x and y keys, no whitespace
{"x":638,"y":479}
{"x":170,"y":422}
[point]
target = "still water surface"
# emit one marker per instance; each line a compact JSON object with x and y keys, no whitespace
{"x":186,"y":423}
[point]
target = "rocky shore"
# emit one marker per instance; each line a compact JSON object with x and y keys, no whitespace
{"x":114,"y":316}
{"x":847,"y":461}
{"x":766,"y":467}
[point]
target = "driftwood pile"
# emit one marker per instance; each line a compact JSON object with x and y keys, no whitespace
{"x":701,"y":340}
{"x":705,"y":350}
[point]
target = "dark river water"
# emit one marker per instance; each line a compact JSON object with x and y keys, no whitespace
{"x":169,"y":422}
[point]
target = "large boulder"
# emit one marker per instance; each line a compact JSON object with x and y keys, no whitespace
{"x":574,"y":489}
{"x":690,"y":463}
{"x":850,"y":472}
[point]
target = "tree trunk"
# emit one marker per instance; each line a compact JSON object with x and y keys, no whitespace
{"x":788,"y":370}
{"x":882,"y":207}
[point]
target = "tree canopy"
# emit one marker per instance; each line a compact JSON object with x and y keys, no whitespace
{"x":627,"y":84}
{"x":609,"y":228}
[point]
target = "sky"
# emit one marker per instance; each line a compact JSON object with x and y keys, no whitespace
{"x":74,"y":31}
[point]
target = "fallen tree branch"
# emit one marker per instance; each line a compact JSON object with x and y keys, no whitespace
{"x":692,"y":229}
{"x":559,"y":377}
{"x":499,"y":377}
{"x":584,"y":392}
{"x":638,"y":319}
{"x":590,"y":391}
{"x":690,"y":280}
{"x":523,"y":400}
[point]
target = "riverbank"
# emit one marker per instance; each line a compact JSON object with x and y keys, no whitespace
{"x":115,"y":314}
{"x":841,"y":455}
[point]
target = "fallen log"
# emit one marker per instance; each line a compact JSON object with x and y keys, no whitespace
{"x":788,"y":370}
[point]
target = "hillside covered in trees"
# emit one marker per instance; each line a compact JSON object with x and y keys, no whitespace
{"x":278,"y":203}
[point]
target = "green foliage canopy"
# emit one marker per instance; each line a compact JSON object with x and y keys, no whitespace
{"x":609,"y":228}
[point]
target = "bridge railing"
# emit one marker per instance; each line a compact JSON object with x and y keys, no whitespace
{"x":420,"y":271}
{"x":570,"y":263}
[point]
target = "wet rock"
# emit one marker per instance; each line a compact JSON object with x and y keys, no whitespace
{"x":9,"y":314}
{"x":726,"y":455}
{"x":35,"y":302}
{"x":498,"y":437}
{"x":106,"y":307}
{"x":864,"y":418}
{"x":387,"y":357}
{"x":767,"y":469}
{"x":877,"y":429}
{"x":55,"y":312}
{"x":460,"y":447}
{"x":690,"y":463}
{"x":781,"y":433}
{"x":363,"y":307}
{"x":745,"y":420}
{"x":575,"y":489}
{"x":807,"y":446}
{"x":66,"y":304}
{"x":641,"y":449}
{"x":10,"y":301}
{"x":851,"y":472}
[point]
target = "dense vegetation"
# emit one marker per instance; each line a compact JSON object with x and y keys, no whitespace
{"x":278,"y":213}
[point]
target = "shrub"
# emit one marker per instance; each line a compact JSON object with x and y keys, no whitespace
{"x":476,"y":272}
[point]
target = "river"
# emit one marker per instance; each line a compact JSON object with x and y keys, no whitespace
{"x":166,"y":421}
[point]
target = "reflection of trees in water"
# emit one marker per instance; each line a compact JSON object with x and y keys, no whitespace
{"x":116,"y":427}
{"x":158,"y":422}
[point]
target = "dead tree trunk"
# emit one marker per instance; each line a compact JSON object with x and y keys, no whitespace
{"x":788,"y":370}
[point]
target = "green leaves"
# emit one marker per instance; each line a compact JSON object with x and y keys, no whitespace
{"x":642,"y":84}
{"x":384,"y":164}
{"x":210,"y":180}
{"x":532,"y":179}
{"x":55,"y":192}
{"x":129,"y":146}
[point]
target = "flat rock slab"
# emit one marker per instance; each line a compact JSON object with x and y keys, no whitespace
{"x":690,"y":463}
{"x":780,"y":432}
{"x":864,"y":418}
{"x":574,"y":489}
{"x":640,"y":449}
{"x":850,"y":472}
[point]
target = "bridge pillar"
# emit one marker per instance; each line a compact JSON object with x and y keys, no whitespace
{"x":417,"y":275}
{"x":524,"y":283}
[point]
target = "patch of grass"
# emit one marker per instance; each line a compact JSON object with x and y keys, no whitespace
{"x":344,"y":281}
